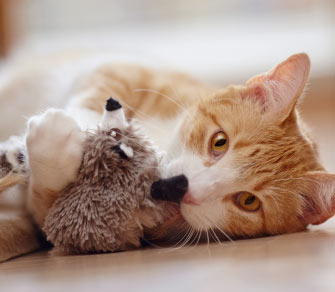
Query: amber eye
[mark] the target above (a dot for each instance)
(219, 143)
(248, 201)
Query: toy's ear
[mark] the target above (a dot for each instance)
(319, 197)
(113, 116)
(279, 89)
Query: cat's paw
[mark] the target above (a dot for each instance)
(12, 156)
(55, 147)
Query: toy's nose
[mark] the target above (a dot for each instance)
(171, 189)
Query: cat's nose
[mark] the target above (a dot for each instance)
(171, 189)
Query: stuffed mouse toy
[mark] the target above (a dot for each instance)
(109, 205)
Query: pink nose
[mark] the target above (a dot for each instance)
(188, 199)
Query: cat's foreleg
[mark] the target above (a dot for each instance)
(54, 145)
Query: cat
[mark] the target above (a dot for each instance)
(252, 168)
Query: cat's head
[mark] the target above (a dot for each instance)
(251, 167)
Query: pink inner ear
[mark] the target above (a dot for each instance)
(320, 199)
(279, 89)
(258, 93)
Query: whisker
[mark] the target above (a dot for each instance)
(224, 233)
(199, 236)
(181, 240)
(137, 112)
(194, 237)
(163, 95)
(182, 230)
(189, 237)
(185, 239)
(208, 248)
(217, 227)
(215, 236)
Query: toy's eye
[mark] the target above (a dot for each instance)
(115, 133)
(219, 143)
(117, 149)
(124, 151)
(248, 202)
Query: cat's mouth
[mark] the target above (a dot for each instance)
(176, 193)
(189, 199)
(174, 211)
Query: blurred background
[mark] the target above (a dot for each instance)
(217, 41)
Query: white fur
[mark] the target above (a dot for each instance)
(54, 145)
(127, 150)
(114, 119)
(208, 185)
(86, 119)
(12, 148)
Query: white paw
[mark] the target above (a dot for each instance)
(12, 155)
(54, 145)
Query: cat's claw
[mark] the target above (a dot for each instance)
(55, 146)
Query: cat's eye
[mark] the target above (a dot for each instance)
(248, 202)
(219, 143)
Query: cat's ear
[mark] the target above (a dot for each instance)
(279, 89)
(319, 197)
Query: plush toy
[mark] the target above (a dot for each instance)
(108, 206)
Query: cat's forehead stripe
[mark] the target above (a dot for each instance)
(256, 151)
(260, 186)
(242, 143)
(206, 113)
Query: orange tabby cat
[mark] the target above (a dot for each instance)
(252, 168)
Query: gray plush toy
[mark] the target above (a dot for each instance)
(108, 207)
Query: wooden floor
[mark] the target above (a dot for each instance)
(295, 262)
